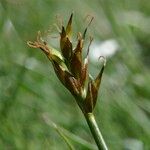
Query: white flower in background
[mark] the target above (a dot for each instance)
(133, 144)
(106, 48)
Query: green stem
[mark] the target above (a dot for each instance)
(95, 131)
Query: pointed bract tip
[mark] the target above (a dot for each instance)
(70, 20)
(69, 27)
(71, 15)
(85, 31)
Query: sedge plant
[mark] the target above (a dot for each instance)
(72, 71)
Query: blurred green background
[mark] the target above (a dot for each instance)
(29, 87)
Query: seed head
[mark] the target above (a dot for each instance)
(71, 68)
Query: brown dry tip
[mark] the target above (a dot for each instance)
(104, 60)
(32, 44)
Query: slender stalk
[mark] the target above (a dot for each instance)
(95, 131)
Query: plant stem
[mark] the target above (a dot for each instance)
(95, 131)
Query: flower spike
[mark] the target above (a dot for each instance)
(70, 68)
(72, 71)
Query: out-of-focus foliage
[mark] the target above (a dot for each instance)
(29, 88)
